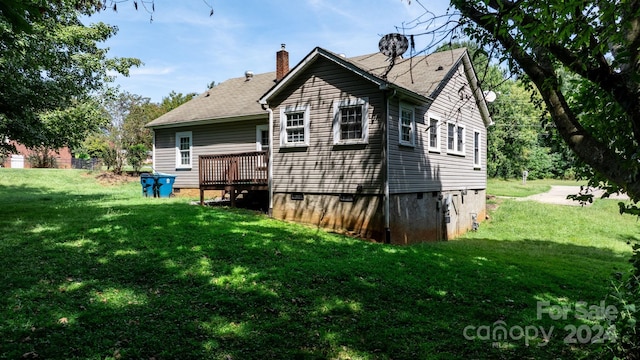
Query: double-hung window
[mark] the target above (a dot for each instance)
(294, 126)
(350, 125)
(476, 150)
(455, 139)
(434, 133)
(407, 126)
(184, 150)
(262, 138)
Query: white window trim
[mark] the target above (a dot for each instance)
(412, 141)
(283, 125)
(153, 146)
(259, 130)
(180, 135)
(437, 132)
(455, 151)
(337, 104)
(477, 164)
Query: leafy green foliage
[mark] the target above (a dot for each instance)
(173, 100)
(42, 157)
(112, 159)
(95, 145)
(513, 141)
(124, 128)
(582, 58)
(72, 125)
(516, 140)
(626, 294)
(599, 114)
(139, 111)
(136, 155)
(50, 61)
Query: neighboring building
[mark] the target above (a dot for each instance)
(394, 154)
(20, 159)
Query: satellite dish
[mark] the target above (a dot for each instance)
(489, 96)
(393, 45)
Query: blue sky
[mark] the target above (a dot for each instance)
(184, 49)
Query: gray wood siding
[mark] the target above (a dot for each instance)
(323, 167)
(223, 138)
(416, 169)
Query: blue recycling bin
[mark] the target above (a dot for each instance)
(157, 184)
(164, 184)
(147, 181)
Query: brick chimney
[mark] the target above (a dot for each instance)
(282, 63)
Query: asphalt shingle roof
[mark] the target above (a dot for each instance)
(238, 97)
(420, 74)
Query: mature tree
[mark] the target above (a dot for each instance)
(66, 127)
(118, 107)
(125, 130)
(599, 41)
(173, 100)
(512, 141)
(598, 44)
(49, 61)
(71, 126)
(21, 13)
(140, 111)
(515, 141)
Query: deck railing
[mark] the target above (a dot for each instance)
(221, 171)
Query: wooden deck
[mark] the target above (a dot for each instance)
(233, 173)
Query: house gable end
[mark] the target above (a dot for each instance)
(319, 163)
(338, 60)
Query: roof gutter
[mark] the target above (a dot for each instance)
(205, 121)
(406, 94)
(477, 91)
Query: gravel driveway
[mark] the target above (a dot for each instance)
(558, 195)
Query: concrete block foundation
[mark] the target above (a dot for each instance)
(414, 217)
(362, 217)
(434, 216)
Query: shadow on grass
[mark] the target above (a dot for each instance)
(95, 277)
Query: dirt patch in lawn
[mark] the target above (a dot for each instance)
(110, 179)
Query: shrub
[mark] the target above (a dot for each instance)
(136, 155)
(42, 157)
(624, 328)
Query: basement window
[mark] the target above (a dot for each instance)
(297, 196)
(347, 197)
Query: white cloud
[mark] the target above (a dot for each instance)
(152, 70)
(185, 49)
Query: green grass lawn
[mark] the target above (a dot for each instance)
(91, 271)
(515, 187)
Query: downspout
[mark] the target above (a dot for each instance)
(387, 191)
(270, 167)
